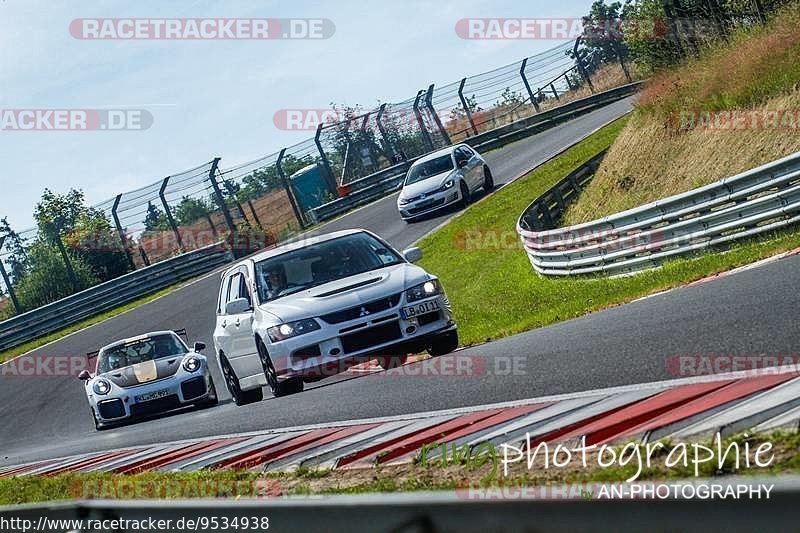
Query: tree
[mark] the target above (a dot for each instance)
(190, 210)
(47, 280)
(155, 219)
(17, 259)
(84, 230)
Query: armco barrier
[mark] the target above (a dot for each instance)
(70, 310)
(758, 200)
(381, 183)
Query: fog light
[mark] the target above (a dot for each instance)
(335, 351)
(411, 329)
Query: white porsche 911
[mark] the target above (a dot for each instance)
(146, 375)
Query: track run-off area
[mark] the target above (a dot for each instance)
(749, 312)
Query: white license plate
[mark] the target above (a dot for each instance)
(420, 309)
(150, 396)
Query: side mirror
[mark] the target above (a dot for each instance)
(400, 185)
(237, 307)
(199, 347)
(84, 375)
(412, 254)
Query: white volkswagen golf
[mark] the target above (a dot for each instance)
(443, 178)
(313, 308)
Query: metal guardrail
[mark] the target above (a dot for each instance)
(494, 509)
(386, 181)
(70, 310)
(763, 199)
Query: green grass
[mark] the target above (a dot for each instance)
(54, 336)
(398, 478)
(495, 292)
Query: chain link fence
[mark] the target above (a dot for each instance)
(258, 203)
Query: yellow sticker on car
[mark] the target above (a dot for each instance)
(146, 371)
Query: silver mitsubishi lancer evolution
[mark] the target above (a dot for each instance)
(146, 375)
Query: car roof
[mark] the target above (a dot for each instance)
(295, 245)
(137, 338)
(438, 153)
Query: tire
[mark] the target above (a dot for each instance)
(97, 425)
(443, 344)
(488, 179)
(465, 194)
(240, 397)
(278, 388)
(213, 397)
(388, 362)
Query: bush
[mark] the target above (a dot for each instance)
(48, 281)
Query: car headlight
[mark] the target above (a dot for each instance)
(404, 201)
(423, 290)
(292, 329)
(101, 387)
(191, 364)
(447, 184)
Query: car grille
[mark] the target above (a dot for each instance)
(428, 318)
(375, 306)
(156, 406)
(371, 337)
(307, 352)
(111, 409)
(425, 206)
(193, 388)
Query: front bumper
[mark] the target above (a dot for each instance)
(432, 202)
(178, 391)
(336, 347)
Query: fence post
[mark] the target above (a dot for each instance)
(579, 64)
(429, 105)
(528, 85)
(569, 83)
(618, 52)
(553, 88)
(384, 136)
(9, 287)
(218, 194)
(56, 236)
(466, 107)
(168, 213)
(325, 163)
(289, 191)
(426, 138)
(123, 239)
(370, 145)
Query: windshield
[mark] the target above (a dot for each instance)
(321, 263)
(429, 168)
(139, 351)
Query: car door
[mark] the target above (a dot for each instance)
(239, 327)
(474, 169)
(221, 339)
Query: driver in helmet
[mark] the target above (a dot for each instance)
(276, 281)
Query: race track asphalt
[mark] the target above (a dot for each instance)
(748, 313)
